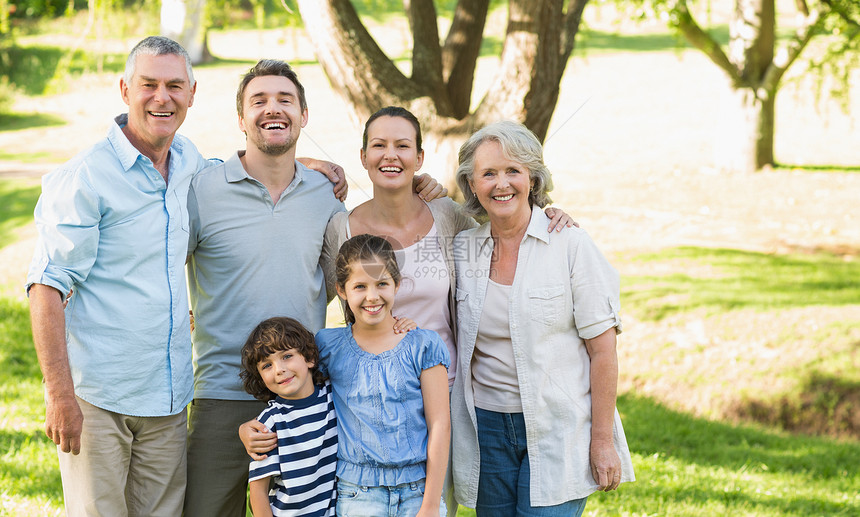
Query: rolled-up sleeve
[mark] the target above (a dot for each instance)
(595, 287)
(67, 220)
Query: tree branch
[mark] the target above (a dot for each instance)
(343, 44)
(702, 40)
(526, 86)
(789, 53)
(572, 19)
(461, 51)
(426, 52)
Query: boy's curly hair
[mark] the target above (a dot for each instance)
(270, 336)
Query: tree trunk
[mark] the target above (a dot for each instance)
(184, 22)
(745, 142)
(537, 46)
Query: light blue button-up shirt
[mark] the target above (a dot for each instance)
(112, 231)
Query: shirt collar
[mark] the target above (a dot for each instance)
(125, 151)
(538, 225)
(536, 228)
(235, 171)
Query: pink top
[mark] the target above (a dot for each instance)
(423, 294)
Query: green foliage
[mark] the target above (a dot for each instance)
(36, 70)
(840, 56)
(7, 96)
(45, 8)
(734, 279)
(835, 47)
(252, 14)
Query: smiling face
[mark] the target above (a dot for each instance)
(158, 96)
(391, 156)
(500, 184)
(272, 116)
(287, 374)
(369, 292)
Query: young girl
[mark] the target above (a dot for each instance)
(279, 362)
(390, 393)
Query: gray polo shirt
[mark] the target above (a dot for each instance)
(249, 260)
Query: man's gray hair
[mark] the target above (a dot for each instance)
(518, 144)
(157, 46)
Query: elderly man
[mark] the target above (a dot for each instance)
(113, 229)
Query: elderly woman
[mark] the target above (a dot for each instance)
(533, 407)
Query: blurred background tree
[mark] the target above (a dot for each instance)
(759, 53)
(438, 88)
(436, 80)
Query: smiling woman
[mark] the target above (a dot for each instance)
(421, 232)
(537, 319)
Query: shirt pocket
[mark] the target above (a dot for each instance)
(546, 304)
(181, 212)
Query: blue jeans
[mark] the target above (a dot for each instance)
(503, 485)
(381, 501)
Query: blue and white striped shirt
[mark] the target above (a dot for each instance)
(304, 462)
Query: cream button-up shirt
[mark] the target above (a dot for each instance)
(563, 293)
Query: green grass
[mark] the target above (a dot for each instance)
(16, 121)
(688, 466)
(788, 167)
(728, 279)
(17, 200)
(29, 476)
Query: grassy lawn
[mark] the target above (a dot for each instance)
(720, 280)
(685, 464)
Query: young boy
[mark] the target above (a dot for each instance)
(280, 361)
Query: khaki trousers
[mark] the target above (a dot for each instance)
(128, 466)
